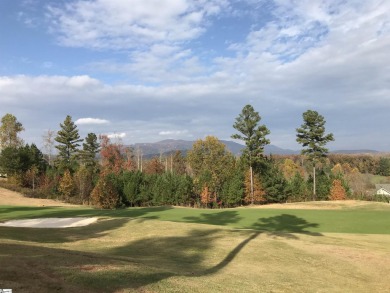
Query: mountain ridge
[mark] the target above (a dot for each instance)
(171, 145)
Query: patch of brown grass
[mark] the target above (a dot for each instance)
(12, 198)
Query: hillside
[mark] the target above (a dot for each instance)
(172, 145)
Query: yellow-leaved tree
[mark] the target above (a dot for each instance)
(66, 185)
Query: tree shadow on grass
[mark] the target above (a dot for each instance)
(217, 218)
(285, 225)
(27, 268)
(149, 260)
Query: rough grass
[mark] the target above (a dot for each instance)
(187, 250)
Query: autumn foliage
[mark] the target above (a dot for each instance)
(114, 156)
(258, 191)
(337, 191)
(205, 196)
(154, 166)
(66, 186)
(105, 194)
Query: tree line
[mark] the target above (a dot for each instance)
(104, 173)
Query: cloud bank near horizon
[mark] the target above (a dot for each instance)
(186, 70)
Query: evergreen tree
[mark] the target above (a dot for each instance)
(297, 188)
(312, 136)
(132, 183)
(233, 189)
(87, 155)
(254, 137)
(323, 184)
(384, 166)
(274, 183)
(68, 138)
(17, 160)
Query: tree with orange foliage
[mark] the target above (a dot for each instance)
(205, 196)
(112, 156)
(258, 195)
(105, 195)
(337, 191)
(154, 166)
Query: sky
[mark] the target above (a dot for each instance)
(149, 70)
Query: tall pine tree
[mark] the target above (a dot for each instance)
(253, 134)
(311, 135)
(87, 155)
(68, 138)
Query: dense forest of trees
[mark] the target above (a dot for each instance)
(104, 173)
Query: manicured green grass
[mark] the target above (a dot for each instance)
(353, 220)
(169, 249)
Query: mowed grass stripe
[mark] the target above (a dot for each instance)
(274, 220)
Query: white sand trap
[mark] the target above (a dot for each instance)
(50, 222)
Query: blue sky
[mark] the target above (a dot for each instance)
(148, 70)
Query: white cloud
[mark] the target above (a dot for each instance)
(89, 121)
(116, 135)
(172, 132)
(330, 56)
(118, 24)
(160, 63)
(81, 81)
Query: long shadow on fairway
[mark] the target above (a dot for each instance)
(284, 225)
(152, 259)
(218, 218)
(187, 255)
(29, 268)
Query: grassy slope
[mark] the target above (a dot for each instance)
(366, 219)
(133, 250)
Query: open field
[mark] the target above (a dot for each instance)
(341, 247)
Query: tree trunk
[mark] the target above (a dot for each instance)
(252, 193)
(314, 182)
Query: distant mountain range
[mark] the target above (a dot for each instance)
(171, 145)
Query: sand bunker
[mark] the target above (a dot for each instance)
(50, 222)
